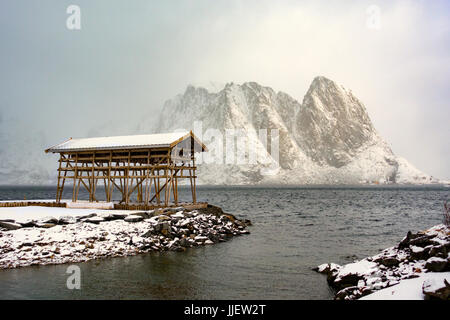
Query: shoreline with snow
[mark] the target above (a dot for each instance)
(45, 235)
(417, 268)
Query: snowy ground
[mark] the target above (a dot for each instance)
(43, 235)
(410, 289)
(418, 262)
(23, 214)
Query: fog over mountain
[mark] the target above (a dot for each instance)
(127, 60)
(327, 139)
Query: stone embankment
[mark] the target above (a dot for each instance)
(71, 239)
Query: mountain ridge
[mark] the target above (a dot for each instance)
(329, 138)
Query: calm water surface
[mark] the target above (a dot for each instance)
(294, 229)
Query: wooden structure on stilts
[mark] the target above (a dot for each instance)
(145, 169)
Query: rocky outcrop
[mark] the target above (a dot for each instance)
(87, 237)
(416, 254)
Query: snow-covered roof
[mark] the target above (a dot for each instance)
(125, 142)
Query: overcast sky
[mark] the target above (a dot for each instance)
(131, 56)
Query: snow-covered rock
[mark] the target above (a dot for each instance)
(126, 235)
(327, 139)
(420, 288)
(418, 255)
(133, 218)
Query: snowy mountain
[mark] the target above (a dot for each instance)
(327, 139)
(255, 136)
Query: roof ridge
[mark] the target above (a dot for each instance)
(125, 142)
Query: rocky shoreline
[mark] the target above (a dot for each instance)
(417, 254)
(72, 239)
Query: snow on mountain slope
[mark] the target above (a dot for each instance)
(328, 139)
(407, 173)
(332, 124)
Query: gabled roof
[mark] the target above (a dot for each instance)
(160, 140)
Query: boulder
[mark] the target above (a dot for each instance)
(95, 220)
(174, 243)
(107, 216)
(200, 238)
(49, 220)
(422, 241)
(119, 215)
(436, 290)
(162, 226)
(177, 215)
(417, 253)
(346, 293)
(133, 218)
(416, 239)
(85, 216)
(27, 223)
(142, 214)
(388, 261)
(327, 268)
(439, 251)
(348, 280)
(67, 220)
(189, 213)
(10, 225)
(45, 225)
(185, 222)
(436, 264)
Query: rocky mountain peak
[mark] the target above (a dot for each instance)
(328, 138)
(332, 124)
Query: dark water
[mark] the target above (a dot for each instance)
(294, 229)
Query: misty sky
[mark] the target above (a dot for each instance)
(131, 56)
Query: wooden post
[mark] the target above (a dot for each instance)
(109, 177)
(59, 178)
(63, 179)
(194, 199)
(92, 187)
(74, 199)
(192, 184)
(127, 170)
